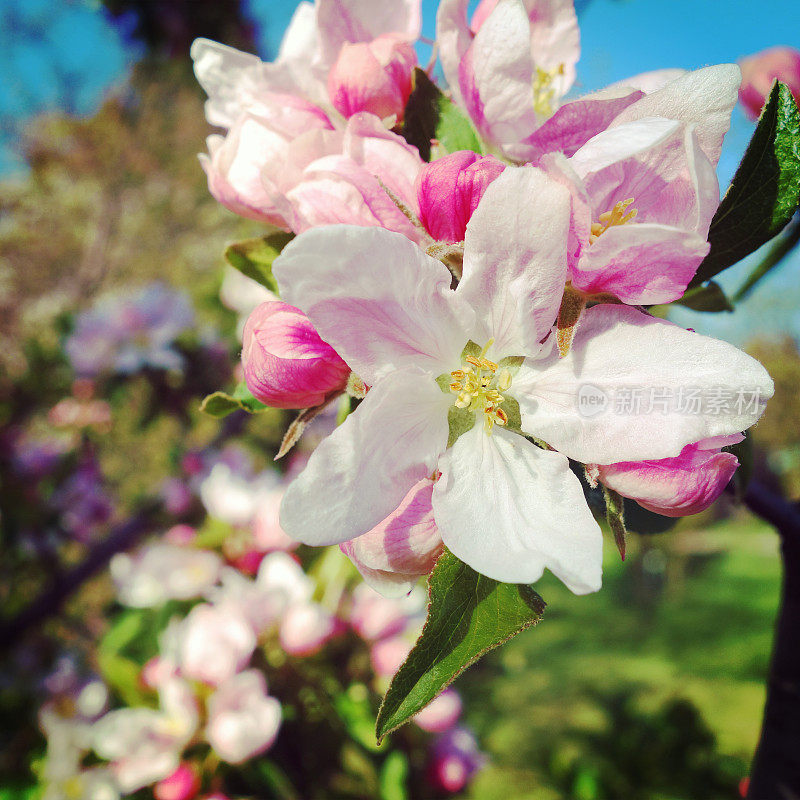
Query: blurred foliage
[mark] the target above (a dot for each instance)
(777, 433)
(654, 690)
(117, 198)
(169, 26)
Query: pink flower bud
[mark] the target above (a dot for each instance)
(760, 71)
(286, 363)
(374, 77)
(449, 190)
(401, 548)
(679, 486)
(183, 784)
(441, 714)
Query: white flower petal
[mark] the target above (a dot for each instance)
(704, 97)
(376, 298)
(515, 260)
(360, 473)
(510, 509)
(584, 405)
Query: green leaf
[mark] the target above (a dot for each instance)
(431, 116)
(765, 191)
(354, 709)
(706, 298)
(254, 257)
(394, 776)
(220, 404)
(468, 615)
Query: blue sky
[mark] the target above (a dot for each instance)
(64, 53)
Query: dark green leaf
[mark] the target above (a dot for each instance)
(468, 615)
(706, 298)
(254, 257)
(431, 116)
(765, 191)
(220, 404)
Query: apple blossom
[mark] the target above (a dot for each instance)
(286, 363)
(233, 495)
(644, 194)
(456, 375)
(376, 617)
(327, 177)
(387, 655)
(449, 190)
(511, 67)
(243, 720)
(761, 70)
(401, 548)
(373, 76)
(305, 628)
(267, 532)
(161, 572)
(441, 714)
(144, 744)
(675, 487)
(216, 642)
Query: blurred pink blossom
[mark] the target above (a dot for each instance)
(216, 642)
(183, 784)
(243, 720)
(441, 714)
(761, 70)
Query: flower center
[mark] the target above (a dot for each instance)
(543, 91)
(479, 386)
(618, 215)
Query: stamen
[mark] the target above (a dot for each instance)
(608, 219)
(543, 92)
(479, 388)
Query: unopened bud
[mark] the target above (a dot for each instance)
(183, 784)
(286, 363)
(374, 77)
(449, 190)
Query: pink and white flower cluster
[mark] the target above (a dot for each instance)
(480, 297)
(211, 687)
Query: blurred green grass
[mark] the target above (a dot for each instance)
(689, 616)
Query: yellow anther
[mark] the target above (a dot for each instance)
(619, 215)
(479, 387)
(503, 380)
(543, 91)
